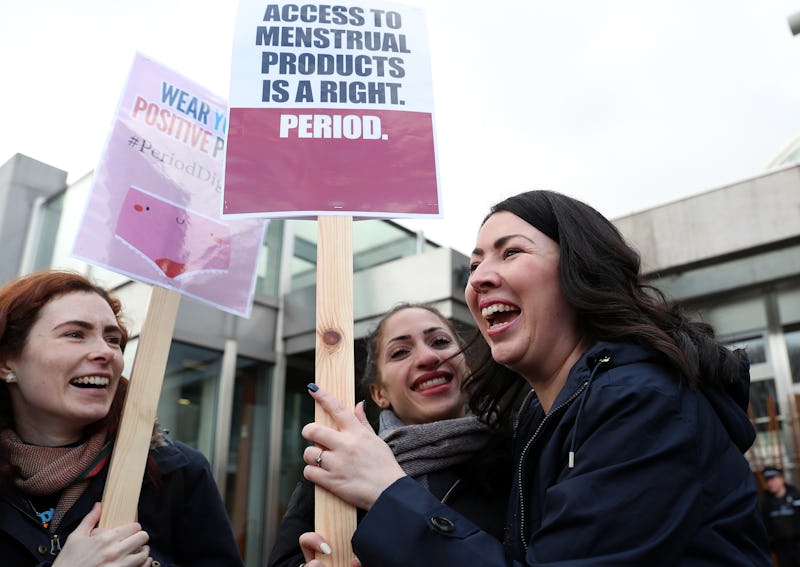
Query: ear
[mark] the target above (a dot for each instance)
(378, 396)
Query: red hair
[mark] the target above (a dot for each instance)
(21, 301)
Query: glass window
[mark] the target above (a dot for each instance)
(269, 259)
(49, 219)
(789, 306)
(188, 404)
(755, 347)
(245, 490)
(298, 411)
(793, 347)
(72, 209)
(740, 317)
(375, 242)
(760, 393)
(769, 445)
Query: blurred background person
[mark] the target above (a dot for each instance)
(781, 505)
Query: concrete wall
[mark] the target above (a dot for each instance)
(23, 180)
(758, 213)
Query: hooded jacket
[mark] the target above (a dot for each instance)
(630, 467)
(185, 518)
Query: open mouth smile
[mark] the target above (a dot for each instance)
(91, 382)
(498, 315)
(430, 381)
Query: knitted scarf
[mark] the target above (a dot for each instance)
(50, 470)
(430, 447)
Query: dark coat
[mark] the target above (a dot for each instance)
(659, 479)
(186, 520)
(477, 489)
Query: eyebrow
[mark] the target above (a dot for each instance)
(88, 326)
(427, 331)
(500, 242)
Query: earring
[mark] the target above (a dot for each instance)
(10, 377)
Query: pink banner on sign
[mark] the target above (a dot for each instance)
(317, 160)
(174, 239)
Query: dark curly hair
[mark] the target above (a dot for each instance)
(600, 276)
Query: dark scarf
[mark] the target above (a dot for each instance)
(429, 447)
(51, 470)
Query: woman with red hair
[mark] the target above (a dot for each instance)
(61, 397)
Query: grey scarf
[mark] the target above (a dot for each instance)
(429, 447)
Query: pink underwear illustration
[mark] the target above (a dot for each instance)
(173, 239)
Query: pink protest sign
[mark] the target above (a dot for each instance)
(331, 112)
(153, 211)
(174, 239)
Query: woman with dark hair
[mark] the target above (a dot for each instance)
(413, 377)
(61, 398)
(629, 447)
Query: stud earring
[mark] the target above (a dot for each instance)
(10, 377)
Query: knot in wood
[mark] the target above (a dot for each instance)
(331, 337)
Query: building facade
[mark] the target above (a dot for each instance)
(733, 255)
(235, 388)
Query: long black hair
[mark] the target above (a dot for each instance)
(600, 276)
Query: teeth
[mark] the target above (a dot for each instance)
(92, 380)
(496, 308)
(430, 383)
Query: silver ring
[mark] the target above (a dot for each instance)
(318, 460)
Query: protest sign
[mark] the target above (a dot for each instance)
(153, 215)
(331, 112)
(153, 210)
(331, 115)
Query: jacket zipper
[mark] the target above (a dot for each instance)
(447, 494)
(55, 545)
(520, 467)
(55, 542)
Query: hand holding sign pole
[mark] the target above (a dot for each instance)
(334, 364)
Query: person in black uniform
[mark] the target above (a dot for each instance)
(782, 517)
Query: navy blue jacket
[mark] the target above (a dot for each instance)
(658, 479)
(186, 520)
(477, 489)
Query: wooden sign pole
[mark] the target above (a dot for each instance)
(335, 367)
(121, 495)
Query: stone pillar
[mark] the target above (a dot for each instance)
(22, 181)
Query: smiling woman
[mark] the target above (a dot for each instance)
(629, 418)
(61, 397)
(415, 370)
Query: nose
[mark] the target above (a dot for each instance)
(483, 277)
(428, 358)
(101, 350)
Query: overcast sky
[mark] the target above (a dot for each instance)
(626, 104)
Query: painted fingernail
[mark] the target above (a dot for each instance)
(312, 387)
(325, 548)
